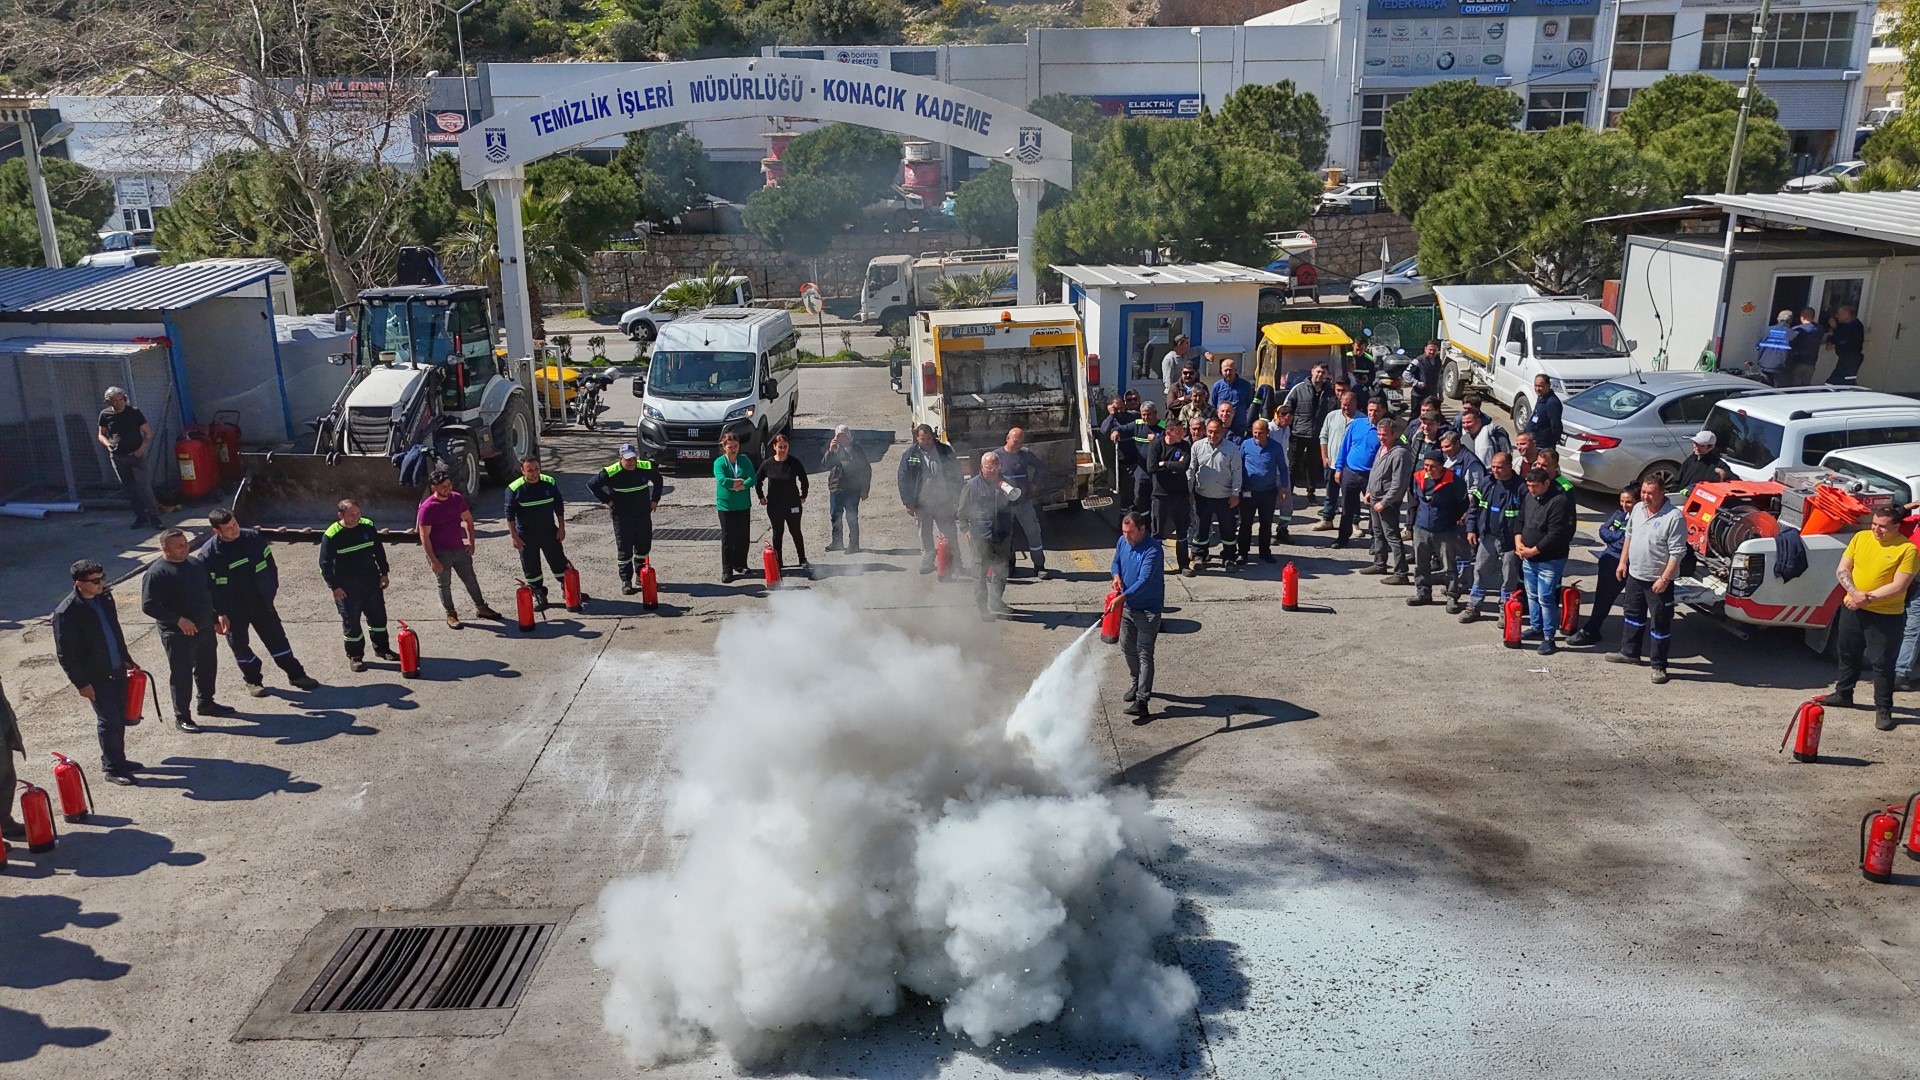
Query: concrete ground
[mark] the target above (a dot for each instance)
(1401, 849)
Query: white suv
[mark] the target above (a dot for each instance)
(1795, 426)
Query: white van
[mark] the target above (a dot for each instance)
(719, 370)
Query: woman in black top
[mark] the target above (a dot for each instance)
(783, 491)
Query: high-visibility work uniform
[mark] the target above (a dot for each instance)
(630, 493)
(536, 512)
(245, 580)
(355, 562)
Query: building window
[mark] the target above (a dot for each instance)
(1618, 99)
(1552, 108)
(1643, 43)
(1373, 137)
(1816, 40)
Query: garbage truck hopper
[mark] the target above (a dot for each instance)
(292, 496)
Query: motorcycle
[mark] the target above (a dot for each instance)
(586, 404)
(1390, 364)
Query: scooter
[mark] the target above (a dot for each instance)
(586, 404)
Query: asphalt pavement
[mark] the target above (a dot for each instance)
(1400, 849)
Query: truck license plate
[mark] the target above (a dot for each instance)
(694, 455)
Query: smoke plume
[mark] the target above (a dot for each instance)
(860, 818)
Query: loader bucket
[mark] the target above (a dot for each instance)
(292, 496)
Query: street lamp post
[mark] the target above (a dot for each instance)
(426, 99)
(19, 111)
(1199, 70)
(460, 49)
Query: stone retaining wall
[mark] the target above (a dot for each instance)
(1350, 243)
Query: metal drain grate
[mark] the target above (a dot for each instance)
(389, 968)
(711, 534)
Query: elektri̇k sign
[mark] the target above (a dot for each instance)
(654, 95)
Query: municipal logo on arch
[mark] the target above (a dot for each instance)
(1028, 148)
(496, 144)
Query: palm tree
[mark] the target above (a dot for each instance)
(712, 289)
(971, 290)
(551, 258)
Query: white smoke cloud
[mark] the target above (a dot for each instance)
(861, 819)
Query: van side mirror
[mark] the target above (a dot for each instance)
(769, 389)
(340, 320)
(1632, 345)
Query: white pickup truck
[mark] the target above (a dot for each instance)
(1744, 582)
(1498, 337)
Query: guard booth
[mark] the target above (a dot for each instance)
(1133, 314)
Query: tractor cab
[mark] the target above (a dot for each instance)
(444, 329)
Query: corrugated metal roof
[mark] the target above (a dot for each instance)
(1134, 277)
(92, 290)
(72, 348)
(1893, 216)
(22, 285)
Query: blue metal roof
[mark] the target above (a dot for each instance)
(103, 290)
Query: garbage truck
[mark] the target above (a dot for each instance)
(975, 372)
(896, 286)
(428, 388)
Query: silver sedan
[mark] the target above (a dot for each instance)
(1625, 430)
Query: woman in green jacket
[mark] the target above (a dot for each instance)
(733, 480)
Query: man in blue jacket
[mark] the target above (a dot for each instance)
(1606, 590)
(1140, 576)
(1238, 391)
(1263, 479)
(1493, 520)
(1544, 422)
(1353, 464)
(1440, 502)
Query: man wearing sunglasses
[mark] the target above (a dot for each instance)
(92, 650)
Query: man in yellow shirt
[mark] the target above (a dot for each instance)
(1875, 571)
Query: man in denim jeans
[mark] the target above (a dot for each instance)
(1140, 577)
(1546, 536)
(849, 482)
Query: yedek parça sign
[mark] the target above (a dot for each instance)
(653, 95)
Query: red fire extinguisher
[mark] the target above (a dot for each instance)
(76, 798)
(649, 585)
(409, 643)
(1512, 615)
(770, 566)
(1289, 588)
(137, 681)
(570, 588)
(942, 558)
(225, 432)
(1806, 720)
(1570, 608)
(523, 607)
(199, 469)
(1110, 617)
(36, 810)
(1879, 836)
(1913, 828)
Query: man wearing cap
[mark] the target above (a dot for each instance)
(1188, 400)
(128, 437)
(1706, 466)
(630, 489)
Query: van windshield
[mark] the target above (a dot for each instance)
(1577, 339)
(700, 374)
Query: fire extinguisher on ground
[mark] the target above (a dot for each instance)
(1289, 588)
(1570, 608)
(942, 558)
(570, 589)
(36, 812)
(649, 585)
(1879, 836)
(770, 566)
(1913, 827)
(523, 607)
(1512, 620)
(409, 643)
(1806, 721)
(76, 798)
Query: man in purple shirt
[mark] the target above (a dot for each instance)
(446, 531)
